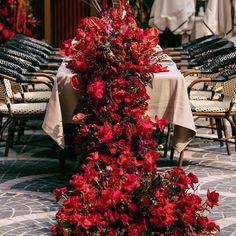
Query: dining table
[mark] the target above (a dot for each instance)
(168, 99)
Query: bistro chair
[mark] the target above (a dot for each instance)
(192, 43)
(222, 111)
(40, 64)
(206, 56)
(35, 49)
(190, 51)
(20, 93)
(203, 91)
(39, 42)
(27, 69)
(16, 113)
(214, 65)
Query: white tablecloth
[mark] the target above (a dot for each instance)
(168, 98)
(218, 18)
(61, 106)
(177, 15)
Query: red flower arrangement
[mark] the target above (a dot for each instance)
(118, 190)
(15, 16)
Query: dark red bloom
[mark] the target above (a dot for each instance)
(131, 182)
(104, 133)
(161, 123)
(212, 198)
(96, 89)
(59, 192)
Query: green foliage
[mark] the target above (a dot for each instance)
(141, 10)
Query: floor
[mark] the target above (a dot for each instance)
(31, 172)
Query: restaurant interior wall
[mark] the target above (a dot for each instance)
(58, 19)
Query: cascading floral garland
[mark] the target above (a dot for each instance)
(118, 189)
(15, 17)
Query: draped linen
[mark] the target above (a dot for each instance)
(178, 16)
(218, 18)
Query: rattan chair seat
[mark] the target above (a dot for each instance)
(38, 87)
(36, 96)
(210, 106)
(24, 109)
(201, 95)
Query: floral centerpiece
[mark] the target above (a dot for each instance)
(117, 189)
(15, 16)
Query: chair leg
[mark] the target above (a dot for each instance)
(21, 129)
(167, 144)
(172, 153)
(212, 124)
(226, 137)
(4, 125)
(62, 161)
(1, 123)
(233, 131)
(10, 136)
(219, 129)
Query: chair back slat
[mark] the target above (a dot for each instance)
(26, 48)
(21, 55)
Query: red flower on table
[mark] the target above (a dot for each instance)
(131, 182)
(118, 189)
(96, 89)
(4, 12)
(161, 123)
(104, 133)
(10, 1)
(78, 117)
(7, 33)
(1, 26)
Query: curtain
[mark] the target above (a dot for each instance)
(67, 15)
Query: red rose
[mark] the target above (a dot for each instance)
(131, 182)
(1, 26)
(132, 207)
(111, 232)
(11, 20)
(161, 123)
(134, 230)
(104, 133)
(212, 198)
(124, 218)
(145, 128)
(59, 230)
(86, 224)
(80, 34)
(7, 33)
(59, 192)
(78, 117)
(96, 89)
(151, 157)
(123, 145)
(76, 82)
(4, 12)
(193, 178)
(212, 226)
